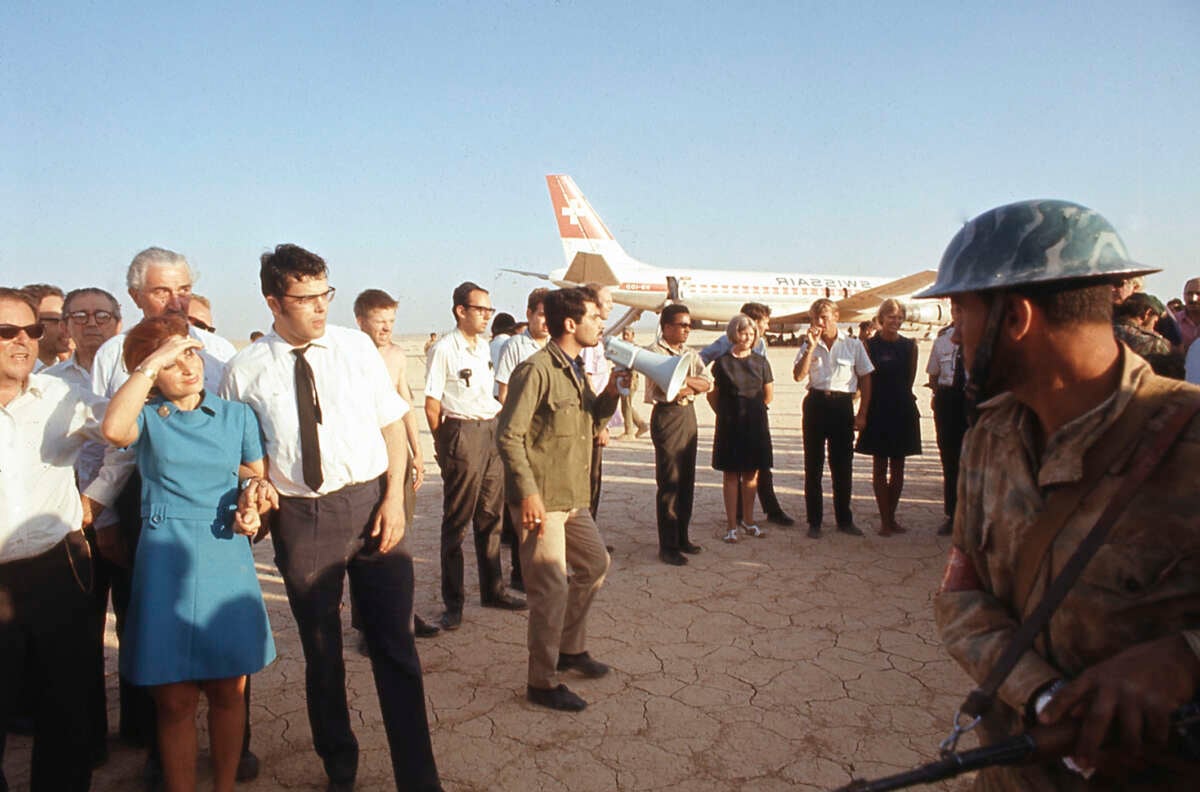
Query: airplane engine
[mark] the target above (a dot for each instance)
(930, 312)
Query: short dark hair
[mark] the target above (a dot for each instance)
(563, 304)
(75, 294)
(670, 312)
(462, 295)
(40, 291)
(372, 299)
(756, 311)
(1137, 304)
(286, 262)
(503, 323)
(1070, 302)
(536, 298)
(22, 296)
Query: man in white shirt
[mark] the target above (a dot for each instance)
(46, 607)
(518, 348)
(334, 434)
(598, 370)
(91, 316)
(461, 412)
(947, 378)
(836, 366)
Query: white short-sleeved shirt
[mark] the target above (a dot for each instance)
(1192, 364)
(839, 368)
(461, 378)
(41, 433)
(598, 367)
(942, 358)
(515, 352)
(91, 455)
(357, 397)
(108, 367)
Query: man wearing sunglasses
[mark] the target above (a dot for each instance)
(45, 566)
(199, 313)
(676, 438)
(461, 409)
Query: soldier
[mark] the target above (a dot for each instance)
(1066, 407)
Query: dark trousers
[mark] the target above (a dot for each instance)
(828, 419)
(472, 495)
(950, 422)
(318, 541)
(673, 431)
(596, 474)
(49, 642)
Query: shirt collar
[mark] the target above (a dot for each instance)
(167, 408)
(281, 347)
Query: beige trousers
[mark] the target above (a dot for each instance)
(558, 606)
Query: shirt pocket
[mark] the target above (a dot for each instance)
(565, 415)
(1132, 572)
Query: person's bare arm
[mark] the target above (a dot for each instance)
(390, 522)
(864, 389)
(502, 389)
(433, 414)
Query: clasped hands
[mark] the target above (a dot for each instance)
(257, 498)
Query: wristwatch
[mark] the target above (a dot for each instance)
(149, 372)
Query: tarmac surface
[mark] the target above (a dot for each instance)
(776, 663)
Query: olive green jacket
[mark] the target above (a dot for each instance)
(546, 428)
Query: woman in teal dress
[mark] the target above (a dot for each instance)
(196, 619)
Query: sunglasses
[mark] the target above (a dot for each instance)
(194, 322)
(10, 331)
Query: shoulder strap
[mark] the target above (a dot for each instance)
(1109, 451)
(1159, 434)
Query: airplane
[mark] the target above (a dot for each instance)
(713, 297)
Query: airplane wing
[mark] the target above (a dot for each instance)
(542, 275)
(901, 287)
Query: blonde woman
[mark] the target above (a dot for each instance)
(742, 388)
(893, 428)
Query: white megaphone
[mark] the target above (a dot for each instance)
(666, 371)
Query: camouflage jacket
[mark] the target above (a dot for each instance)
(1144, 583)
(1144, 342)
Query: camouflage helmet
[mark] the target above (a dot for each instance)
(1032, 242)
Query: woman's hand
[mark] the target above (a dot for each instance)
(169, 351)
(246, 521)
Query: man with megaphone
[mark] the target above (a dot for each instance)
(549, 418)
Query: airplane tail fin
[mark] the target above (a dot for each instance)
(579, 226)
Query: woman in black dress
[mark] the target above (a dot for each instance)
(742, 389)
(893, 429)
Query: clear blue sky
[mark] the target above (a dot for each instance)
(407, 142)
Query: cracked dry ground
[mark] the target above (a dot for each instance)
(776, 663)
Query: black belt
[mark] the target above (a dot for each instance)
(830, 394)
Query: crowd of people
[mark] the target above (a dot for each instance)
(145, 463)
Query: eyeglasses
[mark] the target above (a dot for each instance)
(10, 331)
(312, 299)
(81, 317)
(194, 322)
(483, 309)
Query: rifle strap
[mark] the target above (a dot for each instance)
(1171, 414)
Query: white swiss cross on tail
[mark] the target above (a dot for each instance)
(574, 210)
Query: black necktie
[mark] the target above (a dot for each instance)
(960, 375)
(308, 407)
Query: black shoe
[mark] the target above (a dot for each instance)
(584, 663)
(450, 621)
(507, 602)
(247, 769)
(946, 528)
(423, 629)
(672, 557)
(691, 548)
(781, 518)
(814, 531)
(516, 584)
(609, 549)
(559, 698)
(339, 786)
(851, 529)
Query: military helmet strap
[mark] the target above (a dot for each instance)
(984, 353)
